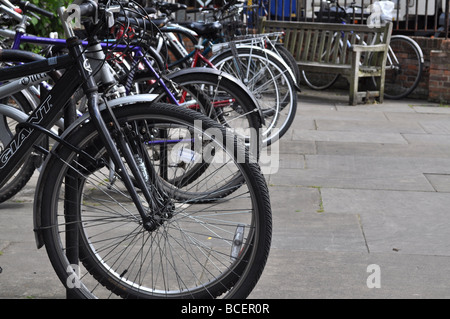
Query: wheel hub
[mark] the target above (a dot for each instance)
(159, 218)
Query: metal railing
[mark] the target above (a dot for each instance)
(413, 17)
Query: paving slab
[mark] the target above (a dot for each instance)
(376, 126)
(382, 149)
(403, 221)
(348, 137)
(361, 172)
(346, 275)
(434, 114)
(428, 139)
(26, 271)
(440, 182)
(299, 222)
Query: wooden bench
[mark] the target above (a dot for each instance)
(319, 47)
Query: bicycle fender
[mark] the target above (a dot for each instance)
(275, 56)
(42, 180)
(13, 113)
(266, 52)
(416, 45)
(173, 75)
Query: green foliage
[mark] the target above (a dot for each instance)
(46, 25)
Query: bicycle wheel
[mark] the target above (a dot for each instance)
(287, 56)
(7, 131)
(404, 67)
(223, 99)
(217, 95)
(199, 250)
(270, 82)
(320, 80)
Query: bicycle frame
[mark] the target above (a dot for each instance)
(138, 56)
(51, 109)
(43, 117)
(197, 55)
(20, 37)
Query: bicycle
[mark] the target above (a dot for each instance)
(219, 35)
(404, 64)
(106, 209)
(265, 73)
(238, 114)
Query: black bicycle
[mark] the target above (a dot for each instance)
(112, 206)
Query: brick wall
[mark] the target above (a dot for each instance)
(435, 83)
(439, 81)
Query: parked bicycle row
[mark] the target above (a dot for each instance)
(270, 109)
(149, 183)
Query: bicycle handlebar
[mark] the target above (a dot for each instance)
(10, 12)
(140, 22)
(170, 6)
(87, 9)
(199, 10)
(28, 6)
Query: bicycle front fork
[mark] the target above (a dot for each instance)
(117, 146)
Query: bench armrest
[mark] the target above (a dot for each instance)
(368, 48)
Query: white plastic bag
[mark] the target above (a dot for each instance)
(381, 11)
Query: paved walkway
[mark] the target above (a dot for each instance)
(360, 200)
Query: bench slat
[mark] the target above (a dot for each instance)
(306, 46)
(329, 46)
(337, 43)
(323, 37)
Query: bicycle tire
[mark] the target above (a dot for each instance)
(402, 77)
(319, 81)
(270, 82)
(287, 56)
(230, 248)
(18, 181)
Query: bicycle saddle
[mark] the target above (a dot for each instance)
(204, 29)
